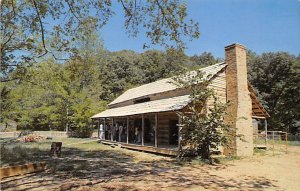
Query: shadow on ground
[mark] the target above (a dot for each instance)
(113, 169)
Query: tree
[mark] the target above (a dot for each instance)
(33, 29)
(276, 76)
(33, 99)
(203, 127)
(203, 60)
(159, 64)
(54, 96)
(120, 72)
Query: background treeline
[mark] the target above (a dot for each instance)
(53, 95)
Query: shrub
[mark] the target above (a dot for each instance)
(81, 132)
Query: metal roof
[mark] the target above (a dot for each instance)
(162, 105)
(163, 85)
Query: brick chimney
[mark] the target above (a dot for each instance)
(240, 106)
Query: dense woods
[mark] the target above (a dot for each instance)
(276, 77)
(63, 96)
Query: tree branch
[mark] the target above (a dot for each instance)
(127, 11)
(13, 7)
(72, 10)
(8, 80)
(9, 38)
(42, 28)
(166, 18)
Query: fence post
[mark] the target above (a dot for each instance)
(279, 137)
(266, 131)
(286, 141)
(273, 141)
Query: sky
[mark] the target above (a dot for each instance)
(260, 25)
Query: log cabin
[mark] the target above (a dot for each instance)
(147, 115)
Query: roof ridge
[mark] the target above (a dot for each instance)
(155, 87)
(220, 63)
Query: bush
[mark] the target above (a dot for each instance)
(81, 132)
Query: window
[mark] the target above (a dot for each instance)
(142, 100)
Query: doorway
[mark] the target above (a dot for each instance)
(173, 132)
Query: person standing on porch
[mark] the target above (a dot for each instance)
(116, 131)
(120, 132)
(139, 134)
(124, 134)
(136, 133)
(101, 130)
(105, 132)
(108, 129)
(112, 129)
(153, 134)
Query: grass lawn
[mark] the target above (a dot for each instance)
(15, 152)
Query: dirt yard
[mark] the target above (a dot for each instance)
(92, 166)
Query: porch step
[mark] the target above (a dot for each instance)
(110, 143)
(150, 149)
(155, 150)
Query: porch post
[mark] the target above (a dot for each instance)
(127, 130)
(179, 132)
(142, 129)
(104, 127)
(99, 123)
(155, 130)
(266, 131)
(112, 129)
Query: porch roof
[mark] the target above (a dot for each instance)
(162, 105)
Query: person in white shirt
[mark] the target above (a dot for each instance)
(112, 130)
(101, 129)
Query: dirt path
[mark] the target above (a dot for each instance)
(104, 171)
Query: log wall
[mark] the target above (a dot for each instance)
(163, 127)
(218, 84)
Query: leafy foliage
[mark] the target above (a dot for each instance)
(203, 60)
(276, 76)
(34, 29)
(203, 127)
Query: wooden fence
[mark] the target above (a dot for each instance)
(16, 134)
(275, 140)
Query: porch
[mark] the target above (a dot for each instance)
(153, 132)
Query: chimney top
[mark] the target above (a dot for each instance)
(235, 45)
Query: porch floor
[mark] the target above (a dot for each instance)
(169, 150)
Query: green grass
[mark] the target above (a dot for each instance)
(14, 152)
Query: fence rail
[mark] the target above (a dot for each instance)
(275, 140)
(16, 134)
